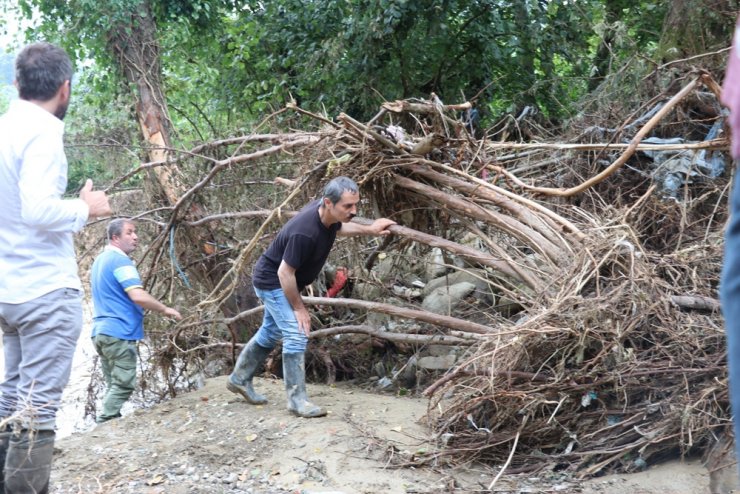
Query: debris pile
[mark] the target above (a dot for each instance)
(575, 292)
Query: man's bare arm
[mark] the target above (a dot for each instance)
(143, 299)
(377, 227)
(286, 275)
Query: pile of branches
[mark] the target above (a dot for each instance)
(618, 360)
(614, 356)
(614, 376)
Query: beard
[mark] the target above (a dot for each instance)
(61, 110)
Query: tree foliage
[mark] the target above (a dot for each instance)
(226, 64)
(352, 54)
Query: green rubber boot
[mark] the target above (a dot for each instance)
(240, 381)
(294, 373)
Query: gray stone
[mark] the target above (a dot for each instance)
(407, 376)
(508, 307)
(378, 319)
(432, 362)
(478, 277)
(435, 264)
(445, 299)
(366, 291)
(441, 350)
(391, 266)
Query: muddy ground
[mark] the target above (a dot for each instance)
(211, 441)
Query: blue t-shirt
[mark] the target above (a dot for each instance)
(114, 313)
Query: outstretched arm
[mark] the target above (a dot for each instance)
(141, 297)
(377, 227)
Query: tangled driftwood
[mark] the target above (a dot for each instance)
(607, 362)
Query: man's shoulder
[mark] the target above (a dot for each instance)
(112, 259)
(306, 222)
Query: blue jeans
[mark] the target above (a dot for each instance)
(730, 297)
(39, 340)
(278, 323)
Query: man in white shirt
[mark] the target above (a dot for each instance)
(40, 291)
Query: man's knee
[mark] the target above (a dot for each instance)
(295, 343)
(123, 376)
(267, 340)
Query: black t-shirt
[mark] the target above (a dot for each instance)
(304, 243)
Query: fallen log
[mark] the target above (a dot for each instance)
(515, 271)
(542, 224)
(475, 256)
(406, 313)
(507, 224)
(414, 339)
(695, 302)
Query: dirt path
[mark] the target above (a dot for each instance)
(211, 441)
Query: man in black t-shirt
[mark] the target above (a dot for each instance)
(292, 261)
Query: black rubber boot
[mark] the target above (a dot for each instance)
(294, 373)
(28, 462)
(240, 381)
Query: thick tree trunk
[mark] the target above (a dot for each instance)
(136, 49)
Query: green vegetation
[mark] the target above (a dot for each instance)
(226, 64)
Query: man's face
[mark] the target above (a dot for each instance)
(128, 240)
(63, 103)
(346, 207)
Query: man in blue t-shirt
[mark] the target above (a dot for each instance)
(292, 261)
(119, 300)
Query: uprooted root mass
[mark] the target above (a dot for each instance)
(600, 347)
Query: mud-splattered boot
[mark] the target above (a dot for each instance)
(28, 462)
(294, 373)
(240, 381)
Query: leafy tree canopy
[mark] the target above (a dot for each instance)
(226, 63)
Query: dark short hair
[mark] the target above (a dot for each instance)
(338, 186)
(40, 70)
(115, 227)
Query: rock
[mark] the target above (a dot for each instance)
(432, 362)
(389, 267)
(444, 300)
(378, 319)
(508, 307)
(407, 376)
(435, 264)
(406, 292)
(478, 277)
(442, 350)
(366, 291)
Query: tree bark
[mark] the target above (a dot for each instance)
(135, 47)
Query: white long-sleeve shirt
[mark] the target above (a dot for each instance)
(36, 225)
